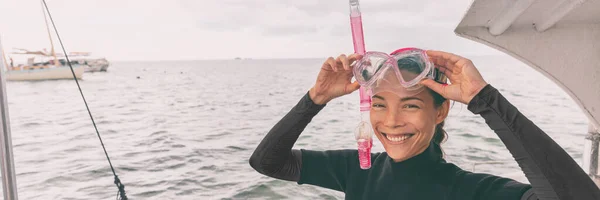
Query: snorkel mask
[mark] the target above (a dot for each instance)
(400, 71)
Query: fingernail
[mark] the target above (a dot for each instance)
(445, 84)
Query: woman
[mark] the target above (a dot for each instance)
(409, 124)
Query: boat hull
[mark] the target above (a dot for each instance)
(95, 65)
(93, 68)
(104, 68)
(45, 74)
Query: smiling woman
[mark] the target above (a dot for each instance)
(409, 106)
(406, 121)
(406, 126)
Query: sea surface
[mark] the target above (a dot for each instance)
(186, 129)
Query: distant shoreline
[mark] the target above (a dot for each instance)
(264, 59)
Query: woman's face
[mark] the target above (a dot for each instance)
(405, 122)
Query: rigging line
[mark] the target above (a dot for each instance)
(117, 180)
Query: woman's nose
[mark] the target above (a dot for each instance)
(394, 118)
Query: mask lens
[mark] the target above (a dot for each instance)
(369, 66)
(412, 67)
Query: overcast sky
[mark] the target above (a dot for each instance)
(224, 29)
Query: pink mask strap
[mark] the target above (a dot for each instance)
(404, 49)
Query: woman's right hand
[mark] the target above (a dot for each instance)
(334, 79)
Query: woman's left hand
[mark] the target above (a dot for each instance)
(465, 79)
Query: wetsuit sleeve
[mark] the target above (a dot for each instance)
(328, 169)
(553, 174)
(274, 156)
(529, 195)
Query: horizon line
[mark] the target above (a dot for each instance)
(259, 58)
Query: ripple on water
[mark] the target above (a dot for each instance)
(218, 135)
(150, 193)
(468, 135)
(208, 168)
(30, 124)
(176, 166)
(494, 141)
(260, 191)
(236, 148)
(185, 182)
(479, 157)
(153, 184)
(158, 133)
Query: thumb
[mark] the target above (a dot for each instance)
(435, 86)
(352, 87)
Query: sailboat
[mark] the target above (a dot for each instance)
(45, 69)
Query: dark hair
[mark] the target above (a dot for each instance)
(440, 134)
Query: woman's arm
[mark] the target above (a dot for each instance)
(274, 156)
(553, 174)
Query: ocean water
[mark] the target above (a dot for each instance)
(186, 129)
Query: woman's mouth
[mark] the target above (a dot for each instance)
(397, 138)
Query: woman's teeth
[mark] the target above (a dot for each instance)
(399, 138)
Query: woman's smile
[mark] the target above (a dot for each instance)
(397, 138)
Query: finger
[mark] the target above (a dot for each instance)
(326, 64)
(354, 57)
(352, 87)
(441, 69)
(450, 59)
(436, 87)
(441, 63)
(441, 54)
(444, 70)
(454, 62)
(350, 74)
(338, 64)
(438, 60)
(464, 62)
(344, 60)
(449, 74)
(449, 65)
(332, 64)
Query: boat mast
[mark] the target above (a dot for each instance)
(56, 63)
(3, 56)
(7, 164)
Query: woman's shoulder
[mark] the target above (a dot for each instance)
(464, 175)
(483, 185)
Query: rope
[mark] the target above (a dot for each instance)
(120, 185)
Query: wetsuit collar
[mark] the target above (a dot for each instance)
(419, 164)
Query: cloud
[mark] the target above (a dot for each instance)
(215, 29)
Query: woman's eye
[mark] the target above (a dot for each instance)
(378, 105)
(411, 106)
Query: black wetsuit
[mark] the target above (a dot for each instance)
(553, 174)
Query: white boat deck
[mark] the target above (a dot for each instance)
(558, 38)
